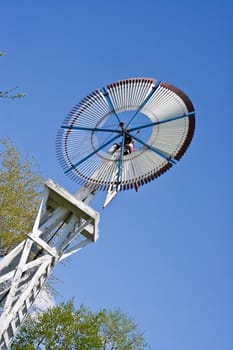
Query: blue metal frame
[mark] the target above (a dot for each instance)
(120, 162)
(162, 121)
(91, 154)
(106, 94)
(74, 127)
(156, 150)
(154, 88)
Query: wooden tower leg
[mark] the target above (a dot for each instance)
(63, 226)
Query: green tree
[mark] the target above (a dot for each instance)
(118, 332)
(64, 328)
(20, 189)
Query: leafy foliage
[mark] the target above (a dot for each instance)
(64, 328)
(20, 188)
(119, 332)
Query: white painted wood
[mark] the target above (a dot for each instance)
(75, 248)
(52, 251)
(63, 226)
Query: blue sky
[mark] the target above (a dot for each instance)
(164, 254)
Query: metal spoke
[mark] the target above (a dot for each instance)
(91, 154)
(74, 127)
(106, 94)
(120, 161)
(161, 153)
(161, 121)
(144, 102)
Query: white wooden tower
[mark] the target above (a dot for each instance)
(64, 225)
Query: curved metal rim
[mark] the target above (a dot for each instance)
(79, 177)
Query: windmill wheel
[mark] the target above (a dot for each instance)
(126, 134)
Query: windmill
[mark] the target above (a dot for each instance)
(119, 137)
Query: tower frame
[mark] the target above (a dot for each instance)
(64, 225)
